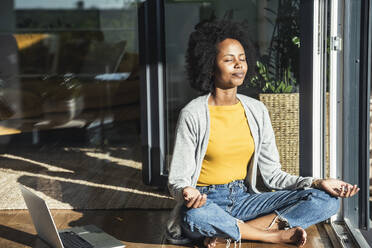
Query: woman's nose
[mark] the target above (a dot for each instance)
(238, 64)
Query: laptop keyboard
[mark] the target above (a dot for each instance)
(72, 240)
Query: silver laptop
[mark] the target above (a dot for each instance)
(77, 237)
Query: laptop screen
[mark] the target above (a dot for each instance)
(41, 218)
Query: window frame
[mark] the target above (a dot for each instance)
(354, 138)
(152, 78)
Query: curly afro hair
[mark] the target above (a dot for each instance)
(202, 51)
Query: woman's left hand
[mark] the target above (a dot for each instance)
(337, 187)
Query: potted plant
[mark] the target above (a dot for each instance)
(276, 81)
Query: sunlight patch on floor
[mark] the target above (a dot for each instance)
(87, 183)
(119, 161)
(47, 166)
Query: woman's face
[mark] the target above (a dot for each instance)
(231, 65)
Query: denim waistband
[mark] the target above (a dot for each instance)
(237, 183)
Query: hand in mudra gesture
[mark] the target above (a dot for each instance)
(193, 198)
(336, 187)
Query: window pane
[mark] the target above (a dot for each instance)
(70, 104)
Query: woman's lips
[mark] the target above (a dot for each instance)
(239, 74)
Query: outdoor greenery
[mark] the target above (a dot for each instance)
(278, 69)
(270, 84)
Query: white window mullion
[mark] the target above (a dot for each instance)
(317, 124)
(335, 91)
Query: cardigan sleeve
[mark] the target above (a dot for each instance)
(269, 162)
(183, 163)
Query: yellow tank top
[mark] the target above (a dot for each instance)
(230, 146)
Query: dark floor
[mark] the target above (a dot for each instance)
(135, 228)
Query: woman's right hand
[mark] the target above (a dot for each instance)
(193, 198)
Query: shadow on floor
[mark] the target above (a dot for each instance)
(80, 175)
(14, 235)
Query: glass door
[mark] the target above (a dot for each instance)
(276, 28)
(288, 50)
(350, 82)
(70, 102)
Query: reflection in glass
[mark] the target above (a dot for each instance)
(72, 64)
(71, 4)
(69, 105)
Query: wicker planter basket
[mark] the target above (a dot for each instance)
(284, 115)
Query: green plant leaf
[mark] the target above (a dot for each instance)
(289, 89)
(296, 41)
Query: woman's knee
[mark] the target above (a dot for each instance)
(333, 205)
(325, 202)
(195, 222)
(195, 215)
(210, 220)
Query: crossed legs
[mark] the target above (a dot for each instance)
(300, 209)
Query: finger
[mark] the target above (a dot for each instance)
(347, 191)
(342, 193)
(355, 190)
(197, 201)
(333, 192)
(338, 191)
(191, 202)
(203, 200)
(186, 196)
(189, 197)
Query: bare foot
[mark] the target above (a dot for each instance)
(296, 235)
(213, 242)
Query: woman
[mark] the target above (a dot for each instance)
(223, 139)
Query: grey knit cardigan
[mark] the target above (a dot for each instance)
(191, 141)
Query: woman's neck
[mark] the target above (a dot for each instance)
(223, 97)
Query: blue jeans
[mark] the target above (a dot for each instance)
(230, 202)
